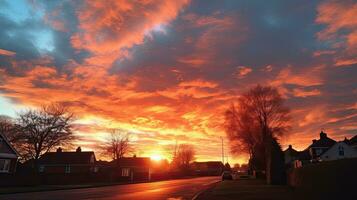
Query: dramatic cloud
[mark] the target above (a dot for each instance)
(6, 53)
(106, 28)
(341, 28)
(165, 71)
(242, 71)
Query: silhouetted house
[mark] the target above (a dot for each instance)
(312, 153)
(60, 162)
(8, 156)
(290, 155)
(133, 168)
(318, 147)
(339, 150)
(208, 168)
(352, 142)
(103, 165)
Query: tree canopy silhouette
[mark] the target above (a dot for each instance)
(117, 145)
(184, 156)
(43, 129)
(258, 117)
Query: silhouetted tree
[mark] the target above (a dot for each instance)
(9, 129)
(43, 129)
(243, 132)
(117, 145)
(259, 116)
(227, 167)
(184, 156)
(278, 171)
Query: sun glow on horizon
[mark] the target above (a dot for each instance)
(156, 157)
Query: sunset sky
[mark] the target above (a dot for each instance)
(166, 70)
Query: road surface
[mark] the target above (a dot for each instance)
(168, 190)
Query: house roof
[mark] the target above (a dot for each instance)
(291, 151)
(304, 155)
(9, 145)
(210, 164)
(53, 158)
(343, 143)
(353, 140)
(133, 162)
(324, 141)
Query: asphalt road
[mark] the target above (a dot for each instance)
(167, 190)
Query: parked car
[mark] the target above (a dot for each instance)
(227, 175)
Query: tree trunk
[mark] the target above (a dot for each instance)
(268, 160)
(267, 148)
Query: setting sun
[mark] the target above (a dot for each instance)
(156, 157)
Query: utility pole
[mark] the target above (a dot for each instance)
(175, 152)
(222, 151)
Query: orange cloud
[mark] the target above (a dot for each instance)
(308, 77)
(109, 26)
(6, 52)
(339, 16)
(343, 62)
(190, 107)
(305, 93)
(243, 71)
(215, 33)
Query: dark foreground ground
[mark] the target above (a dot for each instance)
(246, 189)
(168, 190)
(252, 189)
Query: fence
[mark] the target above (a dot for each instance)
(330, 179)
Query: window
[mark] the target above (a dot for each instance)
(341, 151)
(4, 165)
(41, 168)
(318, 151)
(67, 169)
(125, 172)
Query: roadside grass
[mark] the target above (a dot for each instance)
(247, 189)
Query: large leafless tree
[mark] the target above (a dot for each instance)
(184, 156)
(41, 130)
(255, 120)
(118, 144)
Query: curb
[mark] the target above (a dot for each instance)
(198, 194)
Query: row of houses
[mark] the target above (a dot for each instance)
(322, 149)
(70, 163)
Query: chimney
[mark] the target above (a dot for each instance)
(345, 140)
(313, 141)
(290, 146)
(323, 135)
(79, 149)
(59, 150)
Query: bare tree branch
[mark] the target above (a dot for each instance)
(44, 129)
(118, 144)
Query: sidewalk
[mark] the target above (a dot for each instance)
(246, 189)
